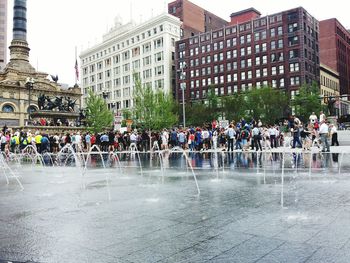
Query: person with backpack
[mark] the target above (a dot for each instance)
(244, 138)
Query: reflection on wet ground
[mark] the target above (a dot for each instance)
(253, 207)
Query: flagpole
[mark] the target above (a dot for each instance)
(76, 66)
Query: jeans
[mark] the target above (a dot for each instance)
(325, 142)
(230, 144)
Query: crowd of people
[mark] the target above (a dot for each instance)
(242, 135)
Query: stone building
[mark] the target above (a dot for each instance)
(20, 83)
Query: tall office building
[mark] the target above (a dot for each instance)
(335, 50)
(279, 50)
(194, 18)
(3, 34)
(147, 50)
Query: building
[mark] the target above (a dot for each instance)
(330, 89)
(147, 50)
(335, 50)
(20, 84)
(329, 81)
(194, 19)
(3, 34)
(279, 50)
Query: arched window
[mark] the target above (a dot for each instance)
(7, 108)
(31, 109)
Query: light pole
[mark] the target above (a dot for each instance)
(183, 87)
(29, 85)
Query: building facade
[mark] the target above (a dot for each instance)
(17, 97)
(147, 50)
(329, 81)
(335, 50)
(279, 50)
(3, 34)
(194, 19)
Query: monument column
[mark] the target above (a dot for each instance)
(19, 50)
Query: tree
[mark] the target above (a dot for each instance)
(152, 110)
(267, 104)
(306, 101)
(98, 117)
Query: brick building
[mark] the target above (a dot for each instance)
(279, 50)
(335, 50)
(194, 18)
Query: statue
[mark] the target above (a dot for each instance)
(41, 101)
(70, 104)
(330, 105)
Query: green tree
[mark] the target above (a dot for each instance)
(267, 104)
(98, 117)
(152, 110)
(306, 101)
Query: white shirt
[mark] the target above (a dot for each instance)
(322, 117)
(333, 129)
(313, 118)
(323, 128)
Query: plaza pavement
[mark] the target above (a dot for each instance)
(241, 215)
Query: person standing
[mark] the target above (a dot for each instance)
(322, 117)
(324, 136)
(334, 134)
(231, 133)
(256, 138)
(313, 118)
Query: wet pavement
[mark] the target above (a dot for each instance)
(252, 207)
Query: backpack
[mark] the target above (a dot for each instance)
(244, 134)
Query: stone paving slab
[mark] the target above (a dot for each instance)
(240, 216)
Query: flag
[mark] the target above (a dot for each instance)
(76, 70)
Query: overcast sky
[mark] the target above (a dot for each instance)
(56, 27)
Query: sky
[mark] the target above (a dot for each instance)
(57, 28)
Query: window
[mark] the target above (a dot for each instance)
(228, 54)
(242, 51)
(264, 59)
(292, 27)
(257, 48)
(257, 61)
(235, 77)
(281, 83)
(234, 41)
(293, 53)
(264, 47)
(273, 71)
(272, 32)
(249, 73)
(243, 75)
(249, 62)
(221, 79)
(281, 69)
(264, 72)
(8, 108)
(228, 42)
(228, 66)
(249, 50)
(274, 83)
(294, 67)
(249, 38)
(273, 45)
(280, 43)
(294, 81)
(293, 40)
(263, 34)
(257, 36)
(280, 31)
(234, 53)
(229, 78)
(242, 40)
(242, 63)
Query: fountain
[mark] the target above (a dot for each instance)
(179, 149)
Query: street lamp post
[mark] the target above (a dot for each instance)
(183, 87)
(29, 85)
